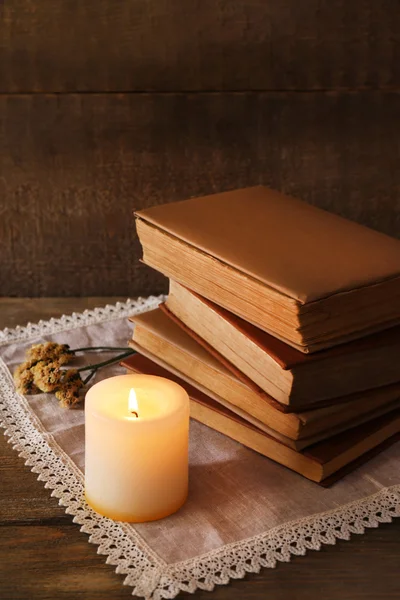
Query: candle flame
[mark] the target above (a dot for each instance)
(133, 403)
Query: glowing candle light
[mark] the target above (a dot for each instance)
(136, 451)
(132, 403)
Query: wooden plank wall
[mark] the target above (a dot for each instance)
(106, 107)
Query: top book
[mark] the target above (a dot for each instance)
(308, 277)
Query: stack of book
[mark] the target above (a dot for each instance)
(282, 322)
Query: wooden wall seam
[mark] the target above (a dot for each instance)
(109, 106)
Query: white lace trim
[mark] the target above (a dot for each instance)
(150, 576)
(88, 317)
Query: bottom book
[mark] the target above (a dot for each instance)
(324, 462)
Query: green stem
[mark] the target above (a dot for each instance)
(89, 377)
(107, 362)
(95, 348)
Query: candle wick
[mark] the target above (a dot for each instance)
(135, 413)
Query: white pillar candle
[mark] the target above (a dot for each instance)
(136, 456)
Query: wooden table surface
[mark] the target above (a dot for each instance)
(44, 556)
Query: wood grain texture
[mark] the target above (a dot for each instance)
(73, 168)
(171, 45)
(44, 556)
(48, 561)
(27, 502)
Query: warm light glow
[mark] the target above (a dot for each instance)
(133, 403)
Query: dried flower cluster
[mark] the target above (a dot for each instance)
(42, 372)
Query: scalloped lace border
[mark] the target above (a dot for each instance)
(150, 576)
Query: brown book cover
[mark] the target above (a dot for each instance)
(308, 276)
(159, 338)
(316, 462)
(237, 372)
(311, 428)
(266, 364)
(288, 245)
(285, 355)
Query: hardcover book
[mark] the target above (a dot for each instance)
(263, 362)
(304, 275)
(166, 344)
(323, 463)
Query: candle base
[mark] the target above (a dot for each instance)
(115, 516)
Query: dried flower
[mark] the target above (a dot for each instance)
(47, 375)
(68, 397)
(68, 392)
(72, 377)
(49, 352)
(23, 378)
(63, 359)
(42, 371)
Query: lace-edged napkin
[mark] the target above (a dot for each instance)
(215, 536)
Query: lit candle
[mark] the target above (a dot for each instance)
(136, 447)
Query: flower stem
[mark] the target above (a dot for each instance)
(107, 362)
(89, 377)
(95, 348)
